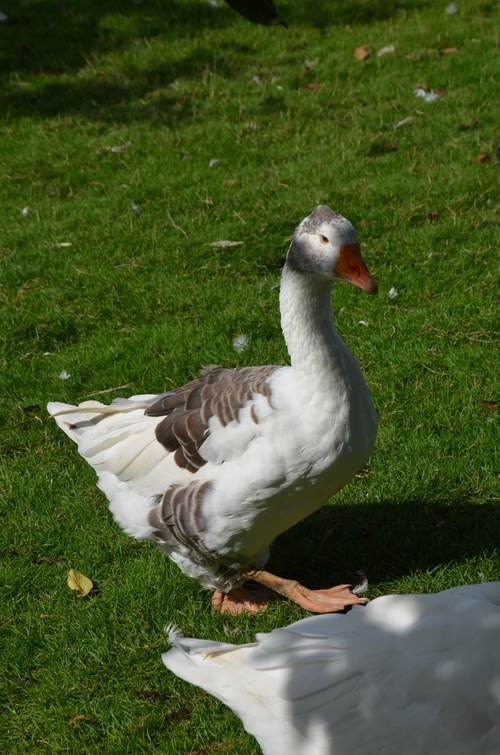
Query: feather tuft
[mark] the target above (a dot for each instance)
(362, 586)
(173, 632)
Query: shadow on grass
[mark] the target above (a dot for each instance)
(57, 39)
(387, 541)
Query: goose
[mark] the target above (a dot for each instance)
(404, 675)
(215, 470)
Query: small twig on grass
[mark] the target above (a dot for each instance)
(56, 747)
(108, 390)
(176, 226)
(434, 371)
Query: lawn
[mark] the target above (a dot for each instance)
(111, 117)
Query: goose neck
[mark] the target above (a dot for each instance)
(307, 322)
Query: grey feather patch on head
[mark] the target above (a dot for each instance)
(321, 214)
(296, 259)
(299, 257)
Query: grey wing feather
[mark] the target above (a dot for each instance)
(187, 411)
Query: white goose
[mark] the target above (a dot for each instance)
(405, 675)
(215, 470)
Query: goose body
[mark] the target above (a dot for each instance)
(405, 675)
(215, 470)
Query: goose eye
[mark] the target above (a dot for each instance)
(324, 240)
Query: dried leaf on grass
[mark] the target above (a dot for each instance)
(174, 716)
(311, 85)
(224, 243)
(363, 52)
(382, 149)
(469, 124)
(76, 720)
(449, 50)
(482, 158)
(78, 581)
(490, 406)
(219, 745)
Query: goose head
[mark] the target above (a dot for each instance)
(326, 245)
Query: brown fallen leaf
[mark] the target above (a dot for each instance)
(363, 52)
(76, 720)
(382, 149)
(469, 124)
(449, 50)
(77, 581)
(311, 85)
(174, 716)
(219, 745)
(490, 406)
(482, 158)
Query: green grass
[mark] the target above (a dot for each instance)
(140, 299)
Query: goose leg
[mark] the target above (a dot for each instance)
(250, 597)
(319, 601)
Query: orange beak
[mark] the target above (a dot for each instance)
(352, 268)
